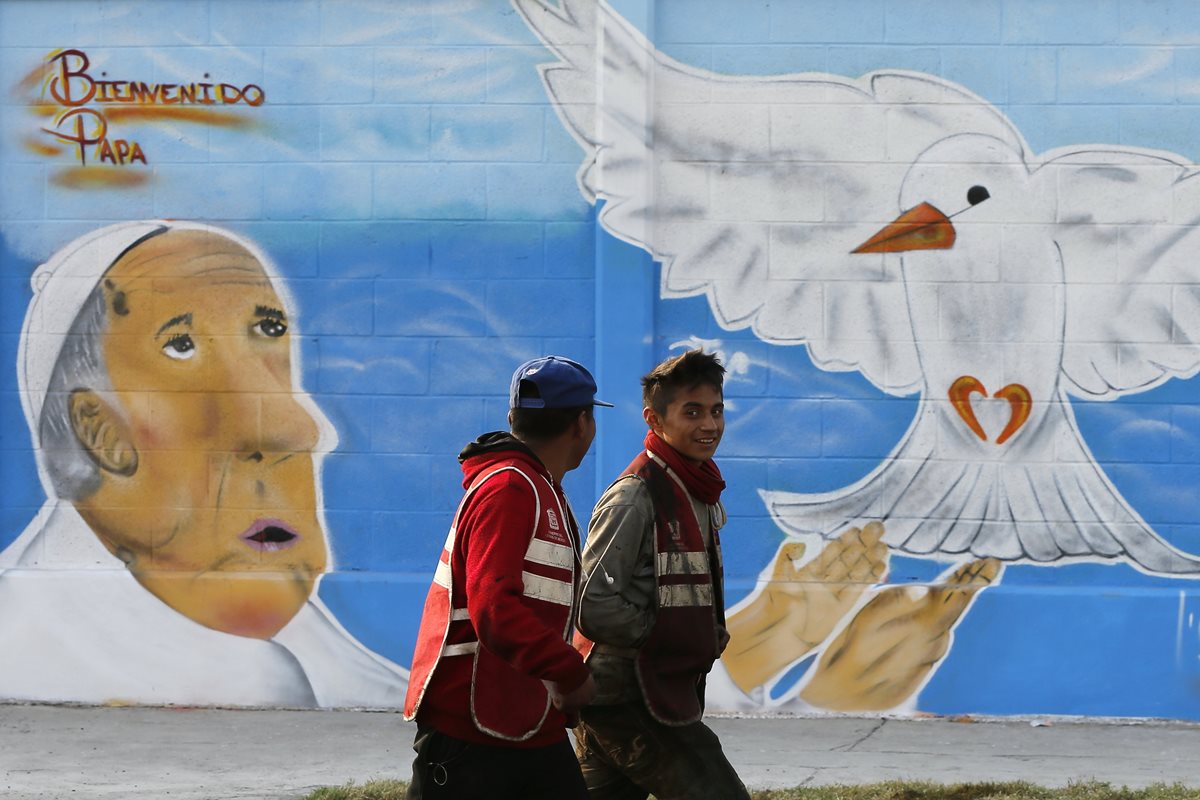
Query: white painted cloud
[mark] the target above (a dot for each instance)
(1154, 63)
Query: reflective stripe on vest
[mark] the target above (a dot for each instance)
(685, 595)
(550, 554)
(441, 575)
(678, 595)
(466, 648)
(682, 563)
(540, 587)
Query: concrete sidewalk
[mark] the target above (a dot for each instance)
(203, 754)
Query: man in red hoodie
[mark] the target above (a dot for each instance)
(495, 680)
(652, 615)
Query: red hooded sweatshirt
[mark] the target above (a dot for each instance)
(494, 531)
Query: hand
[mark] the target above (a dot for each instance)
(885, 653)
(799, 608)
(570, 702)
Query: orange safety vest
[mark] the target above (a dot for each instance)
(674, 660)
(504, 703)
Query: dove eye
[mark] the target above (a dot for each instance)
(977, 194)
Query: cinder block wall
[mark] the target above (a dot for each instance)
(425, 198)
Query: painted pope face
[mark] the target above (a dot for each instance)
(209, 488)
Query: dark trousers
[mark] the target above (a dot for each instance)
(626, 754)
(450, 769)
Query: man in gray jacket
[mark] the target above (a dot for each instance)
(652, 616)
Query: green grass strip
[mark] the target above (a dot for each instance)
(371, 790)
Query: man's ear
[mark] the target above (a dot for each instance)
(578, 427)
(652, 419)
(103, 433)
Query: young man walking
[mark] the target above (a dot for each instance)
(495, 681)
(652, 616)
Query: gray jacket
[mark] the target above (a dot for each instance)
(619, 602)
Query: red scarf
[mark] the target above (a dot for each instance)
(703, 481)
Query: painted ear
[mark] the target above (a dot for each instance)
(103, 433)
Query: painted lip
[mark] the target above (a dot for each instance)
(270, 535)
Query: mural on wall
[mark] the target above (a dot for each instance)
(899, 226)
(176, 558)
(963, 436)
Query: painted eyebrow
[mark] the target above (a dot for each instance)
(186, 319)
(267, 311)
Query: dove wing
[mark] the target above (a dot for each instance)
(753, 191)
(1128, 230)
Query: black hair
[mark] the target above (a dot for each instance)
(685, 371)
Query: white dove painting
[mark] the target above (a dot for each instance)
(898, 225)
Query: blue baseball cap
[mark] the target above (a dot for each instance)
(561, 383)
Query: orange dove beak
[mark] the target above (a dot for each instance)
(919, 228)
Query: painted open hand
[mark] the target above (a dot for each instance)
(799, 608)
(886, 652)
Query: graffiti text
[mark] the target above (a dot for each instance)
(70, 83)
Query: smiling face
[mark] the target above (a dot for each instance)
(693, 423)
(208, 490)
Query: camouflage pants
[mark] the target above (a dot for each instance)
(626, 754)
